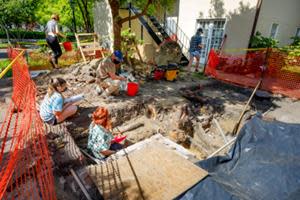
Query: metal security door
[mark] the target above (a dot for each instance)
(213, 33)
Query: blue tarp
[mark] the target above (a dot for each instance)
(264, 163)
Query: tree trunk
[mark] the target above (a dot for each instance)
(117, 26)
(85, 14)
(118, 21)
(117, 36)
(7, 34)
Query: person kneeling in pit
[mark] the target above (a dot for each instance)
(101, 141)
(108, 82)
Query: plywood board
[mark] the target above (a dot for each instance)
(152, 172)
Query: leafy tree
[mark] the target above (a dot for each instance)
(16, 13)
(85, 7)
(146, 6)
(62, 7)
(217, 9)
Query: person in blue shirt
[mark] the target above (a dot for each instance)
(195, 49)
(53, 110)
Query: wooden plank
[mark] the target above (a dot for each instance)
(78, 45)
(91, 49)
(89, 44)
(152, 172)
(86, 34)
(82, 187)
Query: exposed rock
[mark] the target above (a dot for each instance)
(177, 136)
(187, 126)
(76, 71)
(90, 80)
(169, 52)
(94, 63)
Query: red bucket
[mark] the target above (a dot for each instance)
(158, 74)
(132, 88)
(67, 46)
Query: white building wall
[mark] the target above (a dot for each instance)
(285, 13)
(239, 24)
(103, 22)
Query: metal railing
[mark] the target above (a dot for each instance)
(172, 29)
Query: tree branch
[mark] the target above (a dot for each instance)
(121, 21)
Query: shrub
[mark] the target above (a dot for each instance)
(259, 41)
(23, 34)
(296, 41)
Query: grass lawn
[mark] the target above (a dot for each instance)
(3, 45)
(3, 64)
(199, 75)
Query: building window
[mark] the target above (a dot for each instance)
(274, 30)
(298, 32)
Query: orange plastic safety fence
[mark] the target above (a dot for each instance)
(25, 163)
(280, 72)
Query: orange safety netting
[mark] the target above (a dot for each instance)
(280, 73)
(25, 163)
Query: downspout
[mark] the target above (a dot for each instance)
(258, 8)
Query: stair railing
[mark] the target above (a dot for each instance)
(171, 27)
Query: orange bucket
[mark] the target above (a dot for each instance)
(132, 88)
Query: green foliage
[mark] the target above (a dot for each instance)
(62, 7)
(3, 64)
(17, 12)
(259, 41)
(292, 50)
(296, 40)
(157, 5)
(129, 41)
(3, 45)
(25, 34)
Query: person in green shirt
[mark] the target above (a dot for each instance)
(100, 140)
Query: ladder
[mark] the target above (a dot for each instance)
(89, 46)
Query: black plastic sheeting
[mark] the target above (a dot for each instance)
(264, 163)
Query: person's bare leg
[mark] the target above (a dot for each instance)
(189, 67)
(68, 111)
(197, 64)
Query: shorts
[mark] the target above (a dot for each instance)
(195, 54)
(52, 122)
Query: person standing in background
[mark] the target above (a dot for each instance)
(52, 34)
(195, 49)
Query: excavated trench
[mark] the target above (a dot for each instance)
(189, 116)
(187, 111)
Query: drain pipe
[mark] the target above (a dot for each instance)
(258, 8)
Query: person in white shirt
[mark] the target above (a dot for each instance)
(52, 33)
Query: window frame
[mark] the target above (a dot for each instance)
(276, 33)
(297, 32)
